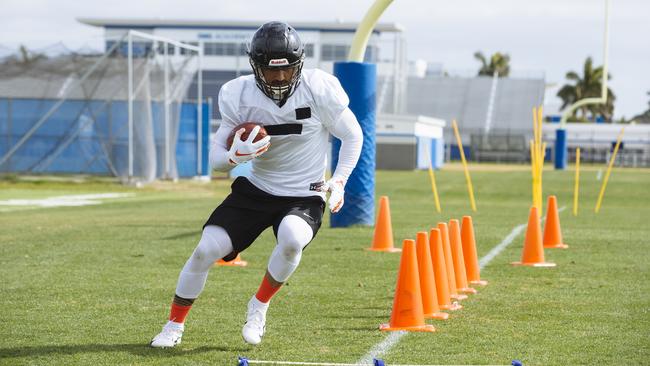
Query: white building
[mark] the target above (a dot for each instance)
(224, 47)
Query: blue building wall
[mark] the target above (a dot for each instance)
(69, 141)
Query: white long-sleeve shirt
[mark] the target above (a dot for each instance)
(296, 161)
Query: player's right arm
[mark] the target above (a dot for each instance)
(222, 158)
(218, 153)
(228, 107)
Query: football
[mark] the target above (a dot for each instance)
(249, 127)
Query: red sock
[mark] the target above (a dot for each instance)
(179, 312)
(266, 291)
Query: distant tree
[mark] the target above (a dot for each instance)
(499, 62)
(587, 85)
(645, 116)
(28, 57)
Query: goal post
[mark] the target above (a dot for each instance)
(359, 80)
(161, 47)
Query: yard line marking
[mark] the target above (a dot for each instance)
(299, 363)
(505, 242)
(381, 348)
(252, 362)
(67, 201)
(501, 246)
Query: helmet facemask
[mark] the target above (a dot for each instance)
(278, 91)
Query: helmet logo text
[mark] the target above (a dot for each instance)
(279, 62)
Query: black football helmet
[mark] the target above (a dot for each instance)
(276, 45)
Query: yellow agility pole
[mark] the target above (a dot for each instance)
(540, 161)
(609, 170)
(540, 173)
(533, 172)
(434, 189)
(535, 130)
(462, 158)
(537, 152)
(577, 184)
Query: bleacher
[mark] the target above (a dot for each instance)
(499, 147)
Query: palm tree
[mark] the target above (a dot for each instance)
(645, 116)
(25, 58)
(499, 62)
(28, 57)
(585, 86)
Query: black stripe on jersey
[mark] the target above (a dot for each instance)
(303, 113)
(284, 129)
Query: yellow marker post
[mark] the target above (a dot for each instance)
(537, 155)
(434, 189)
(577, 184)
(535, 129)
(542, 156)
(462, 158)
(609, 170)
(533, 171)
(540, 173)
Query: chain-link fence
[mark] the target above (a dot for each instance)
(97, 113)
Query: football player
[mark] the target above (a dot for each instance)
(286, 189)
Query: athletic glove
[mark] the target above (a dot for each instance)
(336, 187)
(243, 151)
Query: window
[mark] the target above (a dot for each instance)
(371, 54)
(340, 52)
(243, 49)
(309, 50)
(170, 49)
(229, 49)
(185, 51)
(220, 49)
(334, 52)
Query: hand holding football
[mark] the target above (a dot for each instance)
(248, 126)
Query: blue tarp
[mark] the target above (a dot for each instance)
(80, 134)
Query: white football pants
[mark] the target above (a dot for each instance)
(293, 235)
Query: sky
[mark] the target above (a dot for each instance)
(552, 36)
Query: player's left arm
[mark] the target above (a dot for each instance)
(346, 128)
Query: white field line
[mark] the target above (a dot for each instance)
(59, 201)
(394, 337)
(382, 347)
(505, 242)
(260, 362)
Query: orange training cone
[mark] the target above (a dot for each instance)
(237, 262)
(469, 252)
(407, 312)
(430, 305)
(552, 231)
(383, 238)
(457, 257)
(440, 272)
(449, 263)
(533, 253)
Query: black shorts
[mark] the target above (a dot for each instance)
(248, 211)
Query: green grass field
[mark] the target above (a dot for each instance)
(91, 285)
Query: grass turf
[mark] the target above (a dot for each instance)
(92, 285)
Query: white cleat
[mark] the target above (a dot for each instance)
(169, 337)
(253, 330)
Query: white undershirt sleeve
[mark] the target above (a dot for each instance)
(347, 129)
(218, 151)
